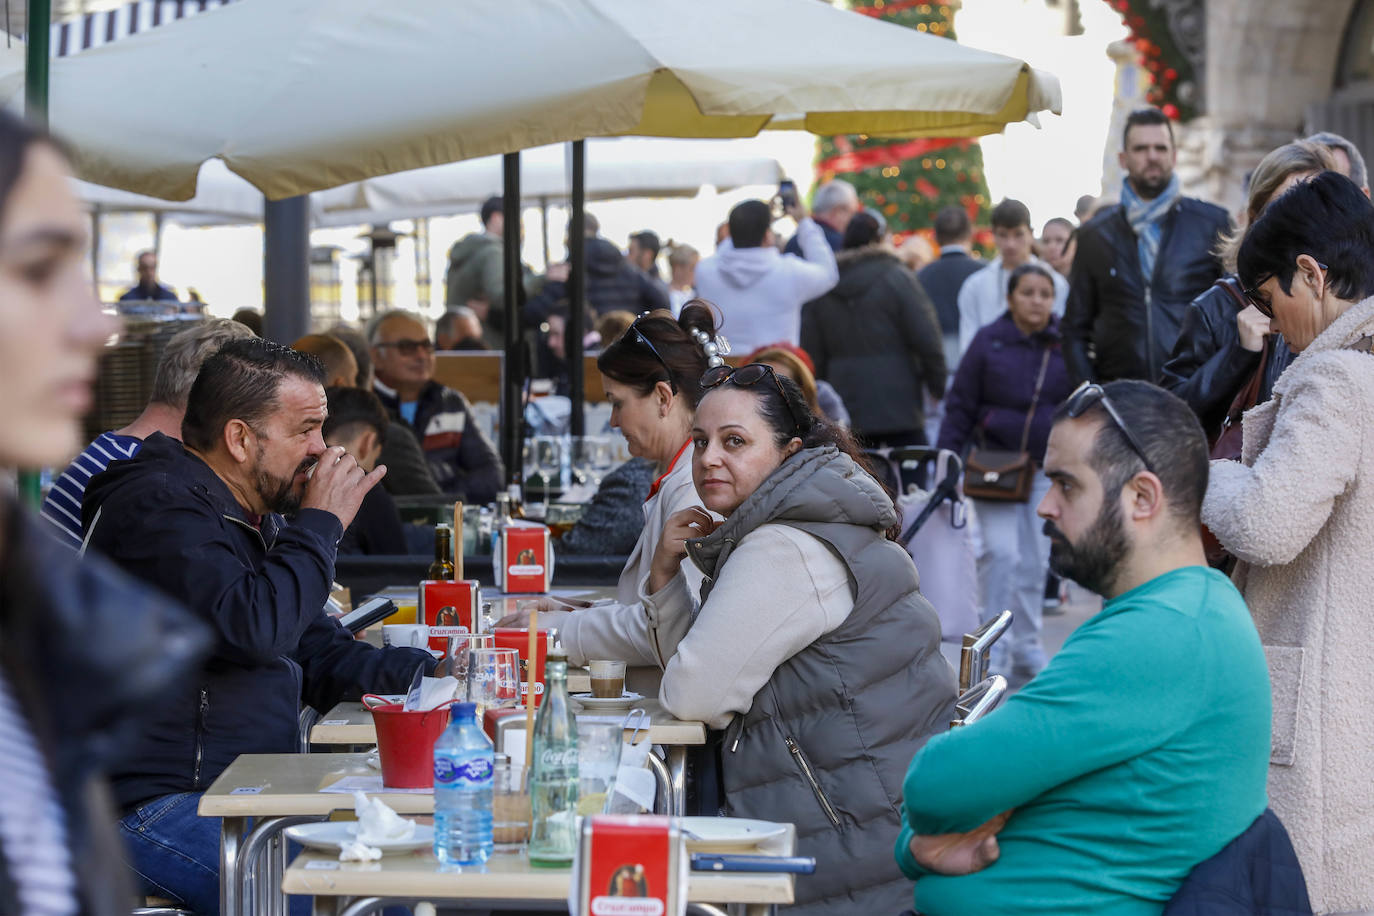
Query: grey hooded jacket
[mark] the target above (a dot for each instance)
(826, 742)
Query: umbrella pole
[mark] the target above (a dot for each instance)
(577, 287)
(544, 227)
(36, 108)
(286, 268)
(513, 368)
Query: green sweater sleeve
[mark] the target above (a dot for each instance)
(1118, 688)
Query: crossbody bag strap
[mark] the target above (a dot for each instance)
(1035, 399)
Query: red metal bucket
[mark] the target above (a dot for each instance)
(405, 743)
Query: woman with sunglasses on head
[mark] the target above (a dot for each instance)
(652, 377)
(83, 650)
(1223, 336)
(1298, 512)
(1003, 398)
(814, 659)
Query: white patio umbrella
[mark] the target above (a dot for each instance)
(300, 95)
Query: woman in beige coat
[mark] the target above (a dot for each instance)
(1298, 512)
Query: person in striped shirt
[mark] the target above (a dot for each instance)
(176, 370)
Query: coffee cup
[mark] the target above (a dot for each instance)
(415, 635)
(608, 678)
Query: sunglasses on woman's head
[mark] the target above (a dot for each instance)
(747, 376)
(1090, 393)
(639, 337)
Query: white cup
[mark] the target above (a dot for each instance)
(405, 634)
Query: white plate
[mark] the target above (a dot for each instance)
(729, 832)
(624, 701)
(331, 835)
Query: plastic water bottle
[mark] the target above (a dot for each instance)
(463, 763)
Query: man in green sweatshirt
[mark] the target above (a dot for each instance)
(1143, 748)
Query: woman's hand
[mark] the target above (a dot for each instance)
(681, 526)
(1252, 327)
(550, 609)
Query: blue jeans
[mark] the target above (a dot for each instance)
(175, 853)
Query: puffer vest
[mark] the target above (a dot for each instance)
(827, 740)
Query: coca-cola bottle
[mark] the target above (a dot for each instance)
(553, 778)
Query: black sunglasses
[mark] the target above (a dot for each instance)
(635, 334)
(409, 347)
(746, 376)
(1258, 300)
(1090, 393)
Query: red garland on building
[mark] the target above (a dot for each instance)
(1174, 83)
(910, 180)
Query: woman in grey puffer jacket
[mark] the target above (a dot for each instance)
(814, 652)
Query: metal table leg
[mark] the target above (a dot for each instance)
(231, 831)
(677, 773)
(254, 887)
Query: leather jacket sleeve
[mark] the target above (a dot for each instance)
(1208, 365)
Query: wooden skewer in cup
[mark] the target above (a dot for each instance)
(458, 547)
(529, 685)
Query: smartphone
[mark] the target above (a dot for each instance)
(787, 194)
(797, 865)
(367, 613)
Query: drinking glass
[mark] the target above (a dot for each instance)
(493, 679)
(510, 806)
(581, 461)
(548, 459)
(598, 758)
(459, 648)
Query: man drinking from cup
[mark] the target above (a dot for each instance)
(203, 523)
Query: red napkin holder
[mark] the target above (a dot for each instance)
(461, 595)
(525, 564)
(629, 865)
(518, 638)
(493, 716)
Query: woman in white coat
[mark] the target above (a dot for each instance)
(1298, 512)
(652, 376)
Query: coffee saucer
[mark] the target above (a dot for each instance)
(624, 701)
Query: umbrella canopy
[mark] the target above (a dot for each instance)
(300, 95)
(617, 168)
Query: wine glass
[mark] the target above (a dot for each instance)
(548, 460)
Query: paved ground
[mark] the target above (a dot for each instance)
(1057, 627)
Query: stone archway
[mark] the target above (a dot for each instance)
(1267, 61)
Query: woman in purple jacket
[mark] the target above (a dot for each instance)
(1003, 397)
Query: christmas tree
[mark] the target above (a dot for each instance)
(909, 181)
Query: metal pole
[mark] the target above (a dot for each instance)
(544, 228)
(36, 62)
(286, 268)
(36, 108)
(513, 375)
(577, 288)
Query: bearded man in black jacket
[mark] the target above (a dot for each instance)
(203, 522)
(1139, 263)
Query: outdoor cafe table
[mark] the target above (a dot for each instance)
(350, 723)
(503, 879)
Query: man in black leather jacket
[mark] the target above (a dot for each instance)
(1118, 323)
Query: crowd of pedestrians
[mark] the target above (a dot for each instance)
(1111, 387)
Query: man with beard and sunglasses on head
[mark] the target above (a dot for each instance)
(1142, 748)
(203, 522)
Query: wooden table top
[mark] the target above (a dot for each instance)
(351, 723)
(509, 876)
(263, 785)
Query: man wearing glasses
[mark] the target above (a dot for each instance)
(1142, 748)
(462, 459)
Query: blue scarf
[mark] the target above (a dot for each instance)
(1145, 217)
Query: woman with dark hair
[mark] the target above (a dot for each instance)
(813, 651)
(876, 339)
(1003, 398)
(85, 650)
(1298, 512)
(652, 377)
